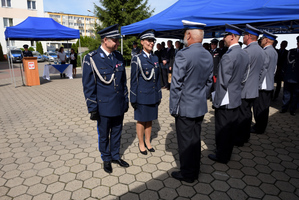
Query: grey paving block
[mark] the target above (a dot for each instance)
(49, 150)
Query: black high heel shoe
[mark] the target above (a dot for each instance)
(151, 149)
(142, 152)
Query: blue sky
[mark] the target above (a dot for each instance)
(80, 7)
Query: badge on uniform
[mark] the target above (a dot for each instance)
(144, 56)
(102, 55)
(147, 73)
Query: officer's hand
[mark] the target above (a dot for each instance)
(127, 108)
(94, 115)
(134, 105)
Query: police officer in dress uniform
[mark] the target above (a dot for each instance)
(216, 56)
(145, 91)
(251, 88)
(291, 81)
(190, 85)
(26, 52)
(266, 85)
(105, 90)
(136, 50)
(281, 61)
(227, 99)
(168, 60)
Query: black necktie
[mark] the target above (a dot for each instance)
(110, 56)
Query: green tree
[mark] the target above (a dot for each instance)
(31, 49)
(1, 53)
(122, 12)
(74, 46)
(39, 48)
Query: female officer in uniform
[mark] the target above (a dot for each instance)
(145, 95)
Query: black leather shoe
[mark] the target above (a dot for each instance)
(143, 152)
(107, 167)
(239, 144)
(293, 113)
(216, 159)
(177, 175)
(151, 149)
(121, 163)
(283, 111)
(253, 130)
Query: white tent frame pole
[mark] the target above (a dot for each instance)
(80, 55)
(122, 46)
(12, 64)
(9, 66)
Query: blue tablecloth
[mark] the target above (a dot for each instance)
(61, 67)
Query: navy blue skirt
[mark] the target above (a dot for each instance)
(145, 113)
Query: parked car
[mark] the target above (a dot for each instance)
(16, 55)
(39, 57)
(45, 57)
(52, 56)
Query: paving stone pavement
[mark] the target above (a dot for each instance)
(48, 150)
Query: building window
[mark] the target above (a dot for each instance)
(6, 3)
(7, 22)
(31, 4)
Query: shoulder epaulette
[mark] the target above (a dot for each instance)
(93, 53)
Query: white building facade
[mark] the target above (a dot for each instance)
(13, 12)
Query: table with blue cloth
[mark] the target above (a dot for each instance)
(57, 69)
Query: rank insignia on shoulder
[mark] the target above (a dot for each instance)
(144, 55)
(102, 55)
(92, 53)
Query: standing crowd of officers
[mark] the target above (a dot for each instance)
(236, 80)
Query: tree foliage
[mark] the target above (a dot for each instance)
(31, 49)
(39, 48)
(122, 12)
(1, 53)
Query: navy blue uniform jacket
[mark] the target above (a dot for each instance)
(111, 99)
(143, 91)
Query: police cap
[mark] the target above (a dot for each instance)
(147, 34)
(25, 46)
(269, 35)
(251, 30)
(134, 43)
(193, 25)
(214, 41)
(232, 29)
(110, 32)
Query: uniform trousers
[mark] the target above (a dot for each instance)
(188, 135)
(165, 76)
(226, 121)
(290, 96)
(261, 110)
(109, 135)
(244, 121)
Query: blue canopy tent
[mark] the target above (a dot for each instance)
(277, 16)
(40, 29)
